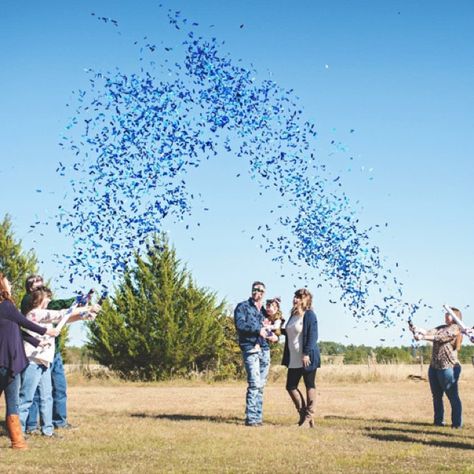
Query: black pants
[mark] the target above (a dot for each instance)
(294, 376)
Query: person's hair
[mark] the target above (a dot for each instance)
(305, 301)
(4, 293)
(457, 343)
(36, 298)
(33, 282)
(278, 314)
(258, 283)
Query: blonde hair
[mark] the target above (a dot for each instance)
(305, 301)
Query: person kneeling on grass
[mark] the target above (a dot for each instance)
(38, 372)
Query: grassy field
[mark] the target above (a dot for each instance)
(378, 426)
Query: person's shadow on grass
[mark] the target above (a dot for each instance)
(426, 442)
(390, 432)
(232, 420)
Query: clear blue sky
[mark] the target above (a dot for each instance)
(400, 73)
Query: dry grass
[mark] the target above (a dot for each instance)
(381, 426)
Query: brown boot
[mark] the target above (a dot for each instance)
(15, 432)
(299, 403)
(310, 397)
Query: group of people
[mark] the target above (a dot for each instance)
(32, 373)
(31, 369)
(258, 325)
(256, 329)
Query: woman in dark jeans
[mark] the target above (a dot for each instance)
(445, 368)
(301, 355)
(13, 358)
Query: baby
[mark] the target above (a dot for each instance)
(272, 323)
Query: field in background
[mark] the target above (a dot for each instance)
(191, 426)
(358, 373)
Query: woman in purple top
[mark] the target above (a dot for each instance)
(13, 358)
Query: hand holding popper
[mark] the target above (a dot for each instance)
(418, 333)
(81, 300)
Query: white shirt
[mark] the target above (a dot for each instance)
(294, 335)
(45, 318)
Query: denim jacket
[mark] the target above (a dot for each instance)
(248, 320)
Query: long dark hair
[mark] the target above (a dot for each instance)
(35, 299)
(305, 301)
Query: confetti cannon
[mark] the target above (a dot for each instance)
(81, 300)
(469, 332)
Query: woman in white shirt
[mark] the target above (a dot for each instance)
(301, 354)
(38, 373)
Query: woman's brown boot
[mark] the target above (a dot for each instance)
(300, 405)
(15, 432)
(310, 397)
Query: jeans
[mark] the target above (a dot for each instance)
(11, 389)
(37, 377)
(257, 366)
(446, 381)
(58, 381)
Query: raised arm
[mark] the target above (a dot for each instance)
(445, 336)
(45, 316)
(30, 339)
(14, 315)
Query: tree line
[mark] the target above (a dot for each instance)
(354, 354)
(159, 323)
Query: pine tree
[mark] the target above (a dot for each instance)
(159, 323)
(14, 262)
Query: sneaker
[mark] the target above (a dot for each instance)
(52, 435)
(32, 432)
(253, 424)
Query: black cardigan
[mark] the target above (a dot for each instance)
(310, 342)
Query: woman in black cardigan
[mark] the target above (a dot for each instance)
(301, 355)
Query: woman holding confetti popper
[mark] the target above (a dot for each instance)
(301, 355)
(38, 372)
(445, 369)
(13, 358)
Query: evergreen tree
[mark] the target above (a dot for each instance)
(159, 323)
(14, 262)
(230, 363)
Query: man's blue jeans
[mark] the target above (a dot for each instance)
(257, 366)
(446, 381)
(37, 376)
(58, 380)
(11, 389)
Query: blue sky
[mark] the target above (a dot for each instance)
(399, 73)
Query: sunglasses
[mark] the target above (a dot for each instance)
(258, 290)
